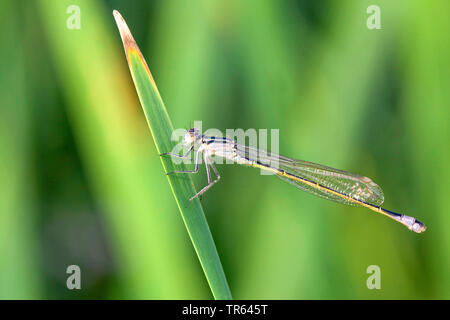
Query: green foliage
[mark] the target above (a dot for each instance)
(161, 127)
(81, 179)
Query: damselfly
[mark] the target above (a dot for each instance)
(322, 181)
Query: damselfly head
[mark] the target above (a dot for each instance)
(191, 136)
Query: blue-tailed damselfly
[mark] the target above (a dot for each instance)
(322, 181)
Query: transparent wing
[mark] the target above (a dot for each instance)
(349, 184)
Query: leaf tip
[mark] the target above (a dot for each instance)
(130, 45)
(125, 33)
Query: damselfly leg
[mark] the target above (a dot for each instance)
(208, 163)
(177, 155)
(197, 155)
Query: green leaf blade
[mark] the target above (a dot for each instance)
(182, 188)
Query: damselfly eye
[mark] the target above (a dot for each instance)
(192, 135)
(189, 138)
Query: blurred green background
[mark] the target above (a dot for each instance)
(81, 182)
